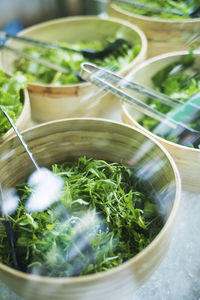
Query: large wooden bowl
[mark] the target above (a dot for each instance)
(77, 100)
(64, 140)
(163, 35)
(23, 121)
(187, 159)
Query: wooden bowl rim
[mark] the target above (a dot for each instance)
(124, 23)
(154, 19)
(106, 274)
(141, 66)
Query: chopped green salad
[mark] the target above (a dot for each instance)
(186, 8)
(104, 217)
(71, 61)
(11, 99)
(176, 81)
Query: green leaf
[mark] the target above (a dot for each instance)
(104, 218)
(35, 72)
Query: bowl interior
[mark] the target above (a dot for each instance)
(143, 74)
(65, 140)
(78, 29)
(163, 35)
(62, 141)
(155, 19)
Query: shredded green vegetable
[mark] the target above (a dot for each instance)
(186, 7)
(71, 61)
(11, 99)
(104, 218)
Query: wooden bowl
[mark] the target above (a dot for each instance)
(23, 121)
(164, 35)
(187, 159)
(77, 100)
(64, 140)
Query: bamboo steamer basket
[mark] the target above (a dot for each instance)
(187, 159)
(77, 100)
(163, 35)
(23, 120)
(65, 140)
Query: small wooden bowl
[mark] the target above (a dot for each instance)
(163, 35)
(77, 100)
(23, 121)
(187, 159)
(65, 140)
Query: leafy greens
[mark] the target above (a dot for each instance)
(175, 81)
(104, 218)
(11, 99)
(186, 7)
(71, 61)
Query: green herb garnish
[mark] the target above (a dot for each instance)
(104, 218)
(11, 99)
(71, 61)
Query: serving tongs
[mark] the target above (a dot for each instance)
(117, 47)
(20, 137)
(8, 225)
(173, 123)
(41, 61)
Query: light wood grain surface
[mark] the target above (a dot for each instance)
(64, 140)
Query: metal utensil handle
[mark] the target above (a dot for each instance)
(142, 89)
(9, 232)
(36, 59)
(38, 43)
(128, 98)
(41, 61)
(95, 74)
(21, 139)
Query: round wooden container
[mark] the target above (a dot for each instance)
(163, 35)
(77, 100)
(187, 159)
(23, 121)
(65, 140)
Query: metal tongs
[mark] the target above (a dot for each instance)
(8, 224)
(115, 48)
(41, 61)
(173, 123)
(53, 179)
